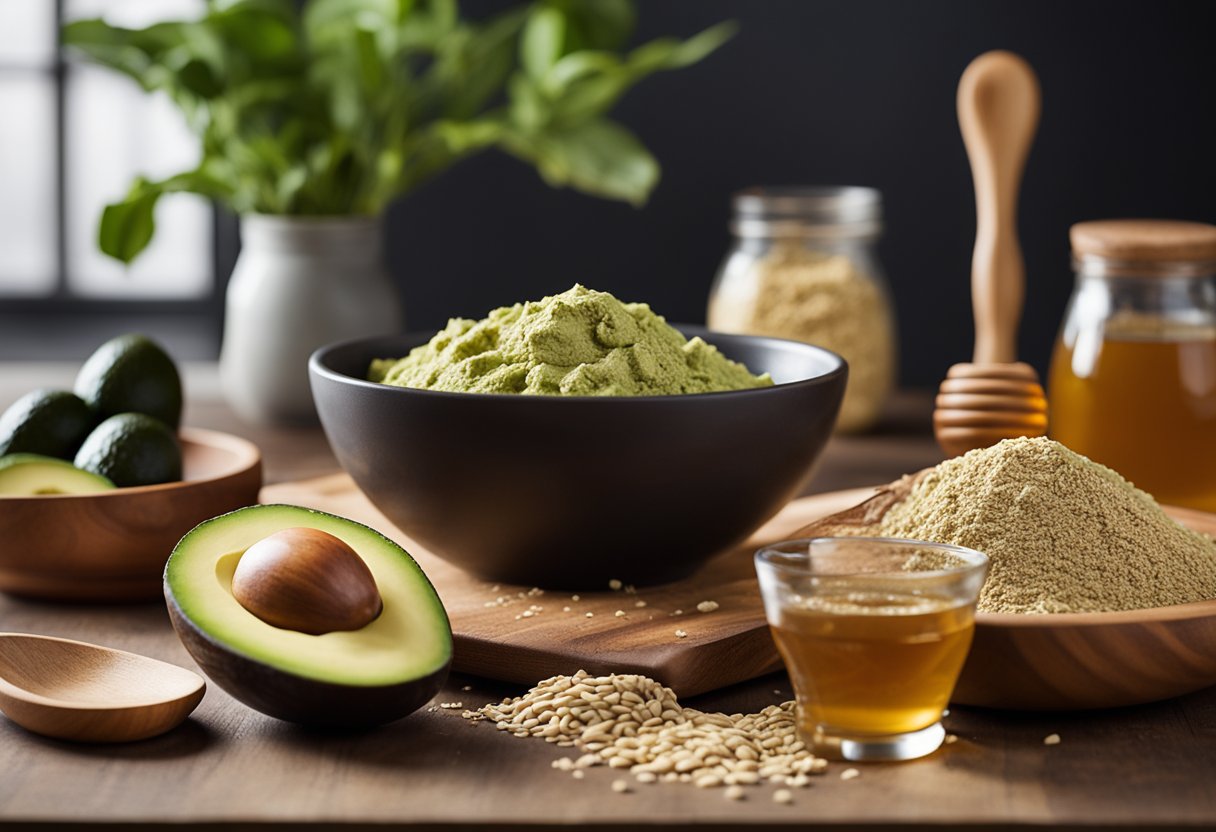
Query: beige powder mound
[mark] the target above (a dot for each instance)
(1064, 534)
(822, 299)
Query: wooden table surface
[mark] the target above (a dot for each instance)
(1149, 766)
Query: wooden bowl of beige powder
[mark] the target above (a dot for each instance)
(1097, 597)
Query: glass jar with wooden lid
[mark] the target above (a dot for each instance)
(1133, 378)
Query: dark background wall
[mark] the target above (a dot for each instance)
(846, 92)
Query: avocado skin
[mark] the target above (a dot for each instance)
(46, 422)
(132, 449)
(293, 698)
(131, 373)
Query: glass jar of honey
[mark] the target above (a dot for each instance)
(1133, 377)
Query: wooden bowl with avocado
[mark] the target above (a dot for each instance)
(572, 491)
(98, 484)
(111, 545)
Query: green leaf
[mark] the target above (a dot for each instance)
(371, 70)
(590, 98)
(529, 112)
(263, 33)
(127, 226)
(464, 137)
(667, 53)
(597, 24)
(331, 16)
(577, 65)
(541, 44)
(109, 46)
(198, 78)
(599, 157)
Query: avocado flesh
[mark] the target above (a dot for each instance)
(410, 639)
(30, 475)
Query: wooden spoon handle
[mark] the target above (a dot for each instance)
(998, 111)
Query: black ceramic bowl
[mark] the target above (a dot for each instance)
(571, 492)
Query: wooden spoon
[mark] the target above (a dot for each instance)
(994, 397)
(77, 691)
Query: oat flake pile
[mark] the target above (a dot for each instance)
(632, 722)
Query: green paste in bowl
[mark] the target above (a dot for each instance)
(578, 343)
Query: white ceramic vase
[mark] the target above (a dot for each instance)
(299, 283)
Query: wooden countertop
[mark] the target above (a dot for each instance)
(1150, 766)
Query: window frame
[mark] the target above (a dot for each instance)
(61, 299)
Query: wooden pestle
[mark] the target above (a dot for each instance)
(994, 397)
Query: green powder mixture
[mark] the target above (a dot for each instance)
(578, 343)
(1063, 533)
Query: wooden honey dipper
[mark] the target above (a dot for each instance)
(994, 397)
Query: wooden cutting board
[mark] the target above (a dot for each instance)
(521, 634)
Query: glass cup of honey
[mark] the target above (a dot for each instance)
(873, 632)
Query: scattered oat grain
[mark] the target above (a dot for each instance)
(619, 613)
(850, 774)
(1051, 739)
(707, 606)
(734, 793)
(632, 722)
(615, 585)
(783, 796)
(681, 634)
(620, 786)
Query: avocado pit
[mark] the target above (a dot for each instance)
(306, 580)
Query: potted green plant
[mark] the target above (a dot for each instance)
(313, 117)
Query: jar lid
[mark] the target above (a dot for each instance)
(808, 211)
(1144, 241)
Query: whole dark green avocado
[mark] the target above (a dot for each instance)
(46, 422)
(132, 374)
(131, 449)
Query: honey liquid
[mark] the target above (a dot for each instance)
(1146, 408)
(873, 665)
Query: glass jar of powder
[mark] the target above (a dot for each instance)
(803, 266)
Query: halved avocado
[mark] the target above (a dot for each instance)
(29, 475)
(350, 678)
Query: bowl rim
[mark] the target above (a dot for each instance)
(248, 457)
(318, 367)
(1191, 611)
